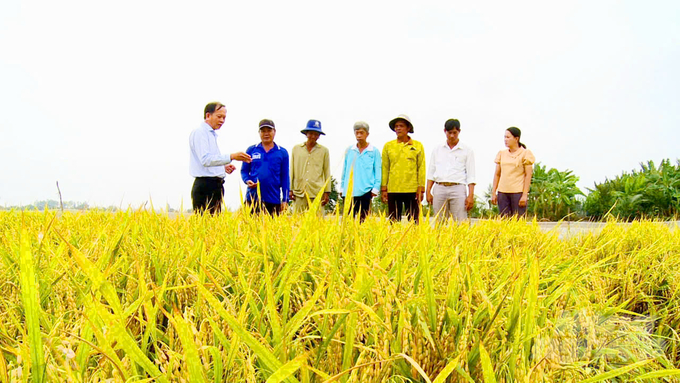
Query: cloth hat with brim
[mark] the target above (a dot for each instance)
(404, 118)
(267, 123)
(313, 126)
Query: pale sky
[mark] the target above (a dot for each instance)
(102, 96)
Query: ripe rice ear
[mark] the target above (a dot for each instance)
(119, 333)
(258, 348)
(190, 354)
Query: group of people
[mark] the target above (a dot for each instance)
(399, 175)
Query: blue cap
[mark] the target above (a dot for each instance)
(313, 126)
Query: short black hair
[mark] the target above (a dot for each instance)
(212, 107)
(451, 124)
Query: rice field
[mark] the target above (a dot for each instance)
(140, 296)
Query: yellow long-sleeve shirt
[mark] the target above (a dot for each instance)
(403, 166)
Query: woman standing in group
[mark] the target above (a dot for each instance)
(512, 180)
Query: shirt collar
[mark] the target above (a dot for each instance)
(369, 148)
(459, 146)
(304, 145)
(276, 146)
(207, 127)
(409, 142)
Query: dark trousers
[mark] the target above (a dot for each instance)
(508, 205)
(259, 207)
(397, 203)
(206, 194)
(361, 205)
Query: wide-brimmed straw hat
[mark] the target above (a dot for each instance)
(402, 117)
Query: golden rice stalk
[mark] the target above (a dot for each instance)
(258, 348)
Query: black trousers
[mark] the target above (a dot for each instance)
(397, 203)
(508, 205)
(361, 205)
(206, 194)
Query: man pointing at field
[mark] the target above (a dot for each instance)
(207, 164)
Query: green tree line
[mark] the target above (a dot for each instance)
(650, 192)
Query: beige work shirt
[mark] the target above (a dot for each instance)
(309, 171)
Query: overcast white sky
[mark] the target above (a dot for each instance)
(102, 96)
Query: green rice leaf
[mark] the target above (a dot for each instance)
(287, 369)
(258, 348)
(31, 302)
(487, 367)
(616, 372)
(659, 374)
(416, 366)
(120, 334)
(191, 357)
(448, 369)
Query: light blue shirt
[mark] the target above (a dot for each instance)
(366, 168)
(205, 159)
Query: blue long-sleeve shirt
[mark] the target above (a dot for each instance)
(271, 169)
(366, 168)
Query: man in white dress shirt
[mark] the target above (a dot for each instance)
(452, 168)
(207, 164)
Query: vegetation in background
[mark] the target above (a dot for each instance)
(553, 194)
(52, 205)
(483, 207)
(131, 296)
(651, 192)
(334, 197)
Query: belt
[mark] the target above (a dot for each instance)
(214, 179)
(448, 183)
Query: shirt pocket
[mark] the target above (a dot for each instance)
(367, 161)
(411, 154)
(460, 162)
(314, 166)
